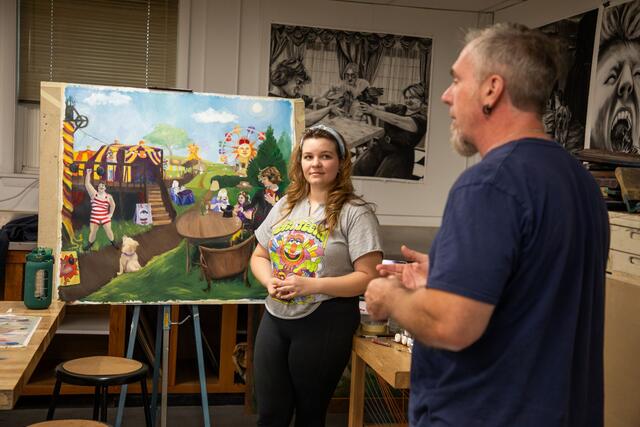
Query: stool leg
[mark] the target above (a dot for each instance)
(54, 398)
(103, 415)
(96, 403)
(145, 402)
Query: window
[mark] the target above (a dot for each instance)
(398, 68)
(107, 42)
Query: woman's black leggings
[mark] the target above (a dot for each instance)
(298, 363)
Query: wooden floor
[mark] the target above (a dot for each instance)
(183, 416)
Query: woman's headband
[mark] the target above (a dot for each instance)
(333, 133)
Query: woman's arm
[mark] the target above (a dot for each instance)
(403, 122)
(261, 268)
(349, 285)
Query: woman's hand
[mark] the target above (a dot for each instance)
(365, 108)
(272, 287)
(294, 286)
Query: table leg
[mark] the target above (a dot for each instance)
(356, 395)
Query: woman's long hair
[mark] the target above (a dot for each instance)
(340, 193)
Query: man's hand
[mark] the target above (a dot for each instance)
(379, 296)
(414, 275)
(270, 198)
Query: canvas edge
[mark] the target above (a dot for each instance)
(50, 195)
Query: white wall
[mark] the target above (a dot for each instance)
(8, 36)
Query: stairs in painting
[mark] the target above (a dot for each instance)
(158, 209)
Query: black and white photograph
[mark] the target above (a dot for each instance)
(614, 111)
(566, 112)
(373, 88)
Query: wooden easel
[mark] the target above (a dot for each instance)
(163, 327)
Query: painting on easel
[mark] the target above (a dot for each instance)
(159, 192)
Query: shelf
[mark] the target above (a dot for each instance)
(80, 320)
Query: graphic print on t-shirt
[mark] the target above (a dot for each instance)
(297, 247)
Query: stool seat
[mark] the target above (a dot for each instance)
(101, 372)
(101, 369)
(69, 423)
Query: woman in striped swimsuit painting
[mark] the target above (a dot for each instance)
(102, 208)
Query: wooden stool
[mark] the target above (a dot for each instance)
(69, 423)
(101, 372)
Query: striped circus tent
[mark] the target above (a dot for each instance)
(80, 158)
(127, 163)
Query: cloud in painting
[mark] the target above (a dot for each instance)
(111, 98)
(214, 116)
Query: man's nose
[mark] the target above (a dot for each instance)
(625, 87)
(446, 96)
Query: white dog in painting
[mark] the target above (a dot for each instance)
(129, 257)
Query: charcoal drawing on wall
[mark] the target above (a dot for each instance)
(372, 88)
(566, 112)
(614, 111)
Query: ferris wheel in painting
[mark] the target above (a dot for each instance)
(239, 147)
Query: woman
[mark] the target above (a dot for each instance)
(242, 209)
(404, 126)
(287, 80)
(264, 199)
(316, 252)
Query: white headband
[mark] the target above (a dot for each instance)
(333, 133)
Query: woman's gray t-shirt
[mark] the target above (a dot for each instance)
(298, 244)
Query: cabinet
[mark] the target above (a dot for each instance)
(103, 330)
(622, 323)
(624, 255)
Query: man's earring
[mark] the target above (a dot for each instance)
(486, 110)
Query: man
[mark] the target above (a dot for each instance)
(509, 327)
(616, 113)
(102, 208)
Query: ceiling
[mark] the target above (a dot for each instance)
(459, 5)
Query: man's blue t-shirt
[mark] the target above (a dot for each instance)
(525, 230)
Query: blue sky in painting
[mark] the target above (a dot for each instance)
(130, 114)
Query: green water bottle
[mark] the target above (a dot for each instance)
(38, 278)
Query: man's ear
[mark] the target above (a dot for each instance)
(492, 89)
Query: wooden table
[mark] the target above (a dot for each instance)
(17, 364)
(195, 226)
(355, 132)
(391, 363)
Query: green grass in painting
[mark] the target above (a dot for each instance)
(203, 180)
(200, 185)
(164, 278)
(120, 228)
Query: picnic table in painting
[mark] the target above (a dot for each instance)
(197, 227)
(355, 132)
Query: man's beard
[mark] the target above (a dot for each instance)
(460, 144)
